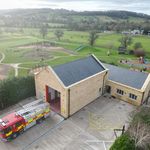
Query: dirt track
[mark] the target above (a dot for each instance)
(5, 68)
(49, 48)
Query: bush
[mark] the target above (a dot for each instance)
(112, 63)
(124, 142)
(143, 115)
(131, 52)
(140, 133)
(16, 89)
(137, 45)
(139, 129)
(139, 53)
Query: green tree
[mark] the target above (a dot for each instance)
(124, 142)
(93, 36)
(44, 31)
(59, 34)
(125, 41)
(137, 45)
(13, 90)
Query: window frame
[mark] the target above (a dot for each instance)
(18, 124)
(132, 96)
(120, 92)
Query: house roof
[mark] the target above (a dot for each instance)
(78, 70)
(127, 77)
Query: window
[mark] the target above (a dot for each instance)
(18, 124)
(132, 96)
(26, 113)
(120, 92)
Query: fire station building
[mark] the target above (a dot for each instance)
(128, 85)
(71, 86)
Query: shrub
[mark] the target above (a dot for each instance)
(124, 142)
(131, 52)
(15, 89)
(143, 115)
(140, 133)
(112, 63)
(139, 53)
(139, 129)
(137, 45)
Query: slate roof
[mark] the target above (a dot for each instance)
(125, 76)
(78, 70)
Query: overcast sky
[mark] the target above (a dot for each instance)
(142, 6)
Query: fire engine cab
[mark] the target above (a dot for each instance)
(17, 122)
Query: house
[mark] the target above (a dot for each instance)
(128, 85)
(71, 86)
(126, 32)
(137, 32)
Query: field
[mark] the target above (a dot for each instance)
(24, 50)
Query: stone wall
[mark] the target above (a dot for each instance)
(86, 91)
(127, 90)
(47, 77)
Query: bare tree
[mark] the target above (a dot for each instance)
(92, 37)
(44, 31)
(126, 41)
(59, 34)
(140, 133)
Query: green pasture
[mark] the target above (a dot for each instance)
(10, 42)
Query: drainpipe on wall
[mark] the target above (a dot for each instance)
(142, 102)
(68, 102)
(104, 82)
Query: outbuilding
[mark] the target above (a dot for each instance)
(71, 86)
(128, 85)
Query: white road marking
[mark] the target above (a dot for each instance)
(104, 145)
(98, 141)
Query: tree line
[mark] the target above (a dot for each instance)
(15, 89)
(81, 21)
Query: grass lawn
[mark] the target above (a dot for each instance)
(11, 73)
(71, 41)
(23, 72)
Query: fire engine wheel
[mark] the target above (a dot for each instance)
(14, 135)
(39, 120)
(21, 131)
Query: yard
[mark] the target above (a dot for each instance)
(90, 128)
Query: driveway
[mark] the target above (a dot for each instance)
(89, 129)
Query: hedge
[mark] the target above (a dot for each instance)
(124, 142)
(16, 89)
(143, 115)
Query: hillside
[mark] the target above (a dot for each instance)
(102, 20)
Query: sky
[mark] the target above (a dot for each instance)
(142, 6)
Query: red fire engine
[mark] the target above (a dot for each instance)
(17, 122)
